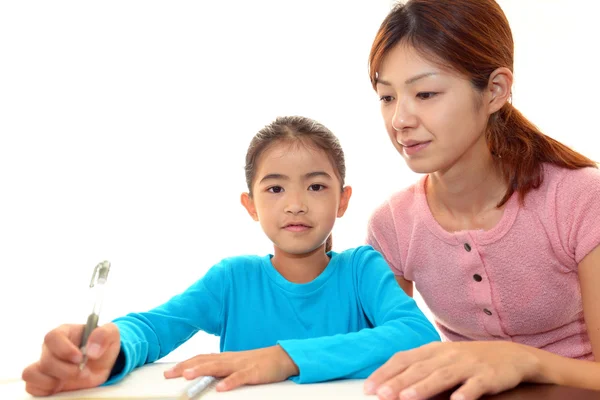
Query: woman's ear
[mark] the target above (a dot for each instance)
(248, 204)
(344, 200)
(499, 88)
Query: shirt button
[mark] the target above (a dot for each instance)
(488, 312)
(477, 278)
(467, 247)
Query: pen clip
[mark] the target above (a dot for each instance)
(100, 273)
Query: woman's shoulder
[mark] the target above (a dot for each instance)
(561, 183)
(554, 174)
(565, 193)
(404, 202)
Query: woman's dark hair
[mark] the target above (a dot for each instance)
(474, 38)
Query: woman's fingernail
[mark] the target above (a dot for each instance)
(385, 392)
(408, 394)
(369, 387)
(457, 396)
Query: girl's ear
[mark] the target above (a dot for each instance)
(344, 200)
(248, 204)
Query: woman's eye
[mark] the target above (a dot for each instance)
(426, 95)
(316, 187)
(275, 189)
(386, 99)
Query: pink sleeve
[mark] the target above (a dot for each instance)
(577, 210)
(382, 235)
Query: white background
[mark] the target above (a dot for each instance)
(124, 125)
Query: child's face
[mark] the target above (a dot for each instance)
(296, 197)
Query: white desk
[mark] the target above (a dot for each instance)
(149, 384)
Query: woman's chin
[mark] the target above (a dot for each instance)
(421, 166)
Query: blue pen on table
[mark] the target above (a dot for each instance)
(197, 387)
(97, 284)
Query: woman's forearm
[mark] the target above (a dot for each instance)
(559, 370)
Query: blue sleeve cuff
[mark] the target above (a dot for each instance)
(123, 365)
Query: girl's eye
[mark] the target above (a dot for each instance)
(275, 189)
(426, 95)
(316, 187)
(386, 99)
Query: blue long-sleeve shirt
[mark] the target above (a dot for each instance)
(344, 324)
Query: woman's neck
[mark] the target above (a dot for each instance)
(300, 268)
(471, 187)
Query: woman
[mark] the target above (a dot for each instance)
(501, 235)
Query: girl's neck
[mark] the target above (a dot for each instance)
(300, 268)
(472, 186)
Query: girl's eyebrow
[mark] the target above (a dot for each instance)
(315, 174)
(310, 175)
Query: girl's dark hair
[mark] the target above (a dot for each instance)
(291, 129)
(474, 38)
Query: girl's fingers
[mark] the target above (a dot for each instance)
(178, 369)
(38, 383)
(57, 368)
(235, 380)
(59, 343)
(219, 368)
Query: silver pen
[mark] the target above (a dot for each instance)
(97, 284)
(197, 387)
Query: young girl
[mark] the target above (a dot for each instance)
(304, 312)
(501, 235)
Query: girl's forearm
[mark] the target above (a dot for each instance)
(559, 370)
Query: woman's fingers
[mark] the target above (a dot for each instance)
(422, 379)
(486, 382)
(396, 365)
(436, 381)
(477, 368)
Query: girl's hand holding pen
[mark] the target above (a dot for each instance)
(267, 365)
(58, 370)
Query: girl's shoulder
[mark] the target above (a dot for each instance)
(240, 263)
(360, 259)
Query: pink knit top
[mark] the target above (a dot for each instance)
(517, 281)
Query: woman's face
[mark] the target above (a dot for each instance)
(434, 117)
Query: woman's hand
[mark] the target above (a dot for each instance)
(477, 368)
(271, 364)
